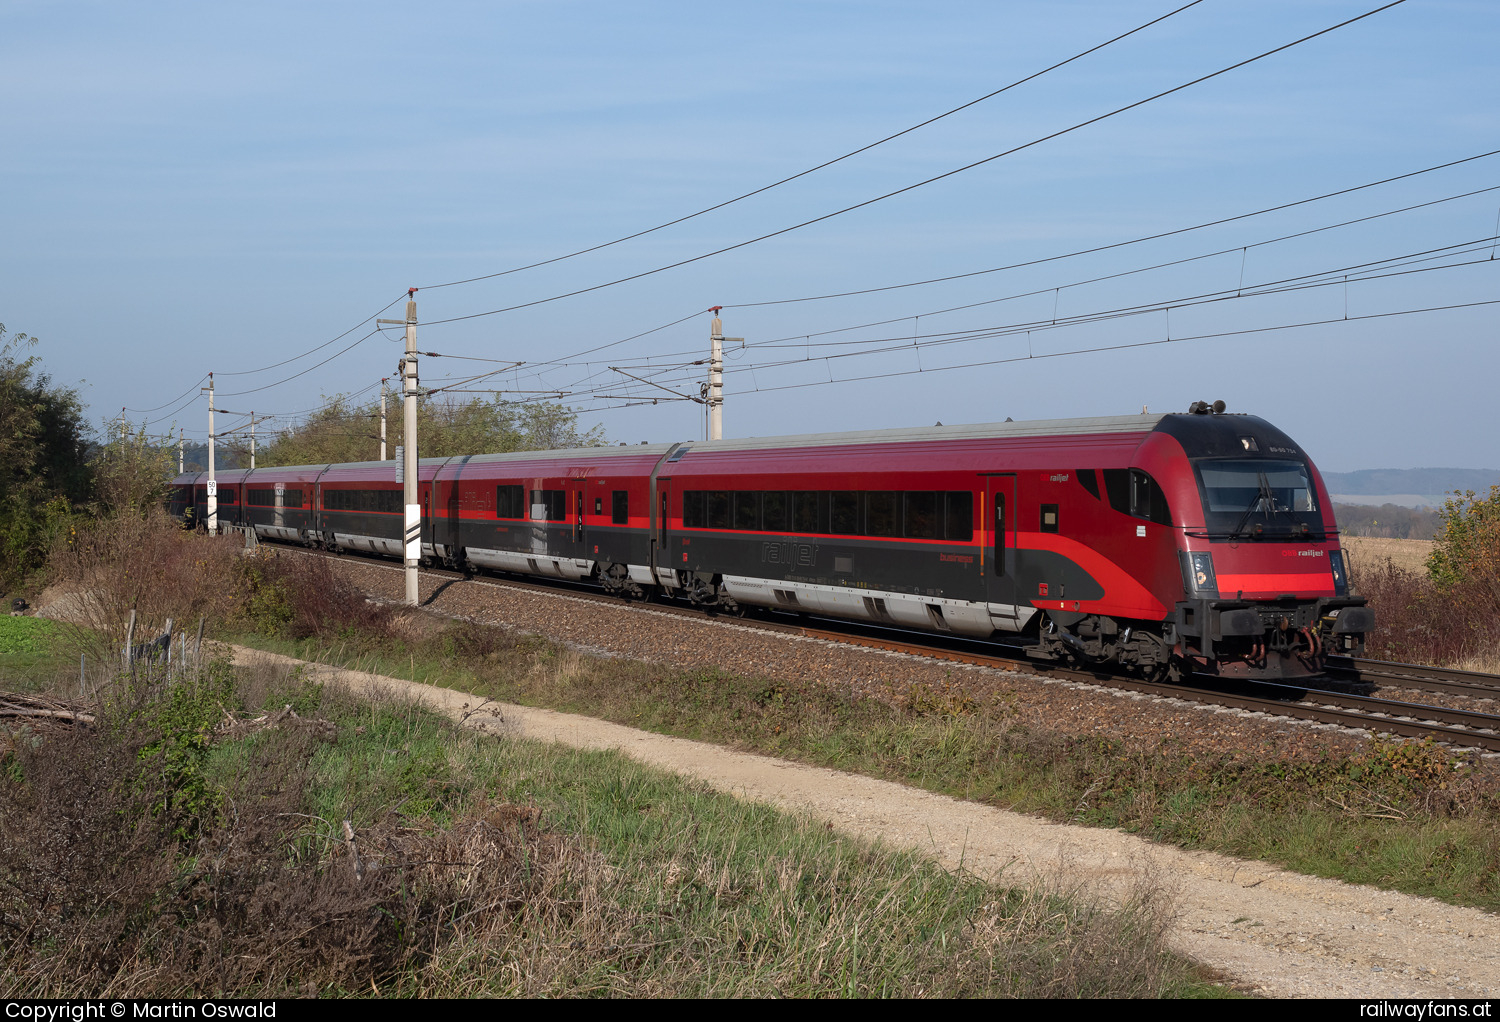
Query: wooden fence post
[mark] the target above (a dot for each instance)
(129, 638)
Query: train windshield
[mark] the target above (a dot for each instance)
(1242, 485)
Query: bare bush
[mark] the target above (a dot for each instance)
(302, 597)
(146, 563)
(1419, 621)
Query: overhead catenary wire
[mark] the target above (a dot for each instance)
(304, 372)
(899, 344)
(1321, 278)
(320, 347)
(1116, 244)
(1245, 247)
(826, 163)
(803, 340)
(564, 360)
(1124, 346)
(529, 368)
(191, 389)
(927, 181)
(744, 305)
(1099, 349)
(277, 365)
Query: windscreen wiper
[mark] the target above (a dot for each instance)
(1263, 497)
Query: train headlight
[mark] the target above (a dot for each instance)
(1200, 573)
(1340, 579)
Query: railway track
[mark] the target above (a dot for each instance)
(1462, 728)
(1415, 676)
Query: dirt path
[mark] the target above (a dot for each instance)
(1278, 933)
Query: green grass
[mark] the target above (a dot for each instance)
(1402, 816)
(27, 636)
(31, 654)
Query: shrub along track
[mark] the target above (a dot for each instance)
(1457, 726)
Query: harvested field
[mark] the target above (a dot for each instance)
(1366, 553)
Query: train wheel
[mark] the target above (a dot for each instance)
(1169, 673)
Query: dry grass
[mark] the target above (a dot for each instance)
(1486, 663)
(1366, 553)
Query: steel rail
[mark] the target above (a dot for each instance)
(1417, 676)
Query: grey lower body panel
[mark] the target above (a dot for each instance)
(528, 563)
(906, 610)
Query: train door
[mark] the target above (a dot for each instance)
(661, 557)
(998, 553)
(315, 534)
(452, 515)
(429, 527)
(452, 500)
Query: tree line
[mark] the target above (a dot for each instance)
(1388, 521)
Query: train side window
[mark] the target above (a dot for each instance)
(775, 511)
(509, 502)
(747, 510)
(549, 505)
(844, 512)
(1117, 488)
(694, 509)
(921, 516)
(1147, 499)
(620, 507)
(267, 498)
(882, 514)
(381, 501)
(718, 509)
(1088, 480)
(809, 512)
(958, 523)
(1049, 517)
(882, 511)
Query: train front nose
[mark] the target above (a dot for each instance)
(1266, 586)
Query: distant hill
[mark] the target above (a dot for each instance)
(1379, 481)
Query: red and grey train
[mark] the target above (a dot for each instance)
(1199, 541)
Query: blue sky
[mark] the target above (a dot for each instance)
(195, 187)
